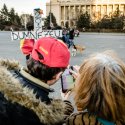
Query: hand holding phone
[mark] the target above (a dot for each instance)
(65, 96)
(67, 81)
(73, 72)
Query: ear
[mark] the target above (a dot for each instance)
(57, 76)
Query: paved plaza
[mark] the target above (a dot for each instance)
(94, 42)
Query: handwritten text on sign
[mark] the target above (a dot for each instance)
(37, 20)
(35, 35)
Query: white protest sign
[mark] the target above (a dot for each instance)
(35, 35)
(38, 32)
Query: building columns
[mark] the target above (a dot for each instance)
(69, 15)
(64, 15)
(101, 9)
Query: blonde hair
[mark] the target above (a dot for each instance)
(100, 87)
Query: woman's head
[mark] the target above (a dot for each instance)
(100, 86)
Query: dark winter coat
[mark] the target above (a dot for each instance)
(21, 104)
(71, 34)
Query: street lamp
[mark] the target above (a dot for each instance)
(25, 22)
(24, 19)
(50, 14)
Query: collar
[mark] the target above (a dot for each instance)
(35, 80)
(101, 120)
(105, 122)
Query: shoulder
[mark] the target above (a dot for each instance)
(16, 114)
(82, 118)
(9, 64)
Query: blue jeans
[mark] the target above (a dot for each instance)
(70, 43)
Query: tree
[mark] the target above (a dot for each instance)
(47, 21)
(14, 19)
(30, 23)
(83, 21)
(105, 23)
(8, 18)
(117, 13)
(18, 20)
(117, 20)
(4, 13)
(27, 20)
(117, 23)
(4, 10)
(12, 15)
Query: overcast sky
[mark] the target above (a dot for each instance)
(25, 6)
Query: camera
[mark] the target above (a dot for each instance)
(67, 80)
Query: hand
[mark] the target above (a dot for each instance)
(65, 95)
(76, 67)
(75, 71)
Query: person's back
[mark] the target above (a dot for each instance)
(14, 100)
(71, 34)
(100, 91)
(24, 92)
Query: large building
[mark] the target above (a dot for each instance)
(67, 11)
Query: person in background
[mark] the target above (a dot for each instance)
(65, 37)
(24, 91)
(99, 92)
(71, 37)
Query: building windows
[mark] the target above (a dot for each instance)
(70, 9)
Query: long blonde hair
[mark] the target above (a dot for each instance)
(100, 87)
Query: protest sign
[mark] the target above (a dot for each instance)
(35, 35)
(38, 32)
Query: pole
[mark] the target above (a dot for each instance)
(25, 21)
(37, 20)
(50, 14)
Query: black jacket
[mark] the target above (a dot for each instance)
(71, 34)
(40, 89)
(24, 100)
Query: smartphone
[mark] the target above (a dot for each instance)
(67, 81)
(71, 67)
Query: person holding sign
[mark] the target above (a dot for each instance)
(24, 91)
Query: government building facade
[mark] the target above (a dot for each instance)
(68, 11)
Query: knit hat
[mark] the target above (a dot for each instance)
(54, 52)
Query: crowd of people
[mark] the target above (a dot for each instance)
(99, 91)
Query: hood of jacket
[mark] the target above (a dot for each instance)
(15, 92)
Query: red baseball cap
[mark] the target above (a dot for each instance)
(26, 46)
(55, 53)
